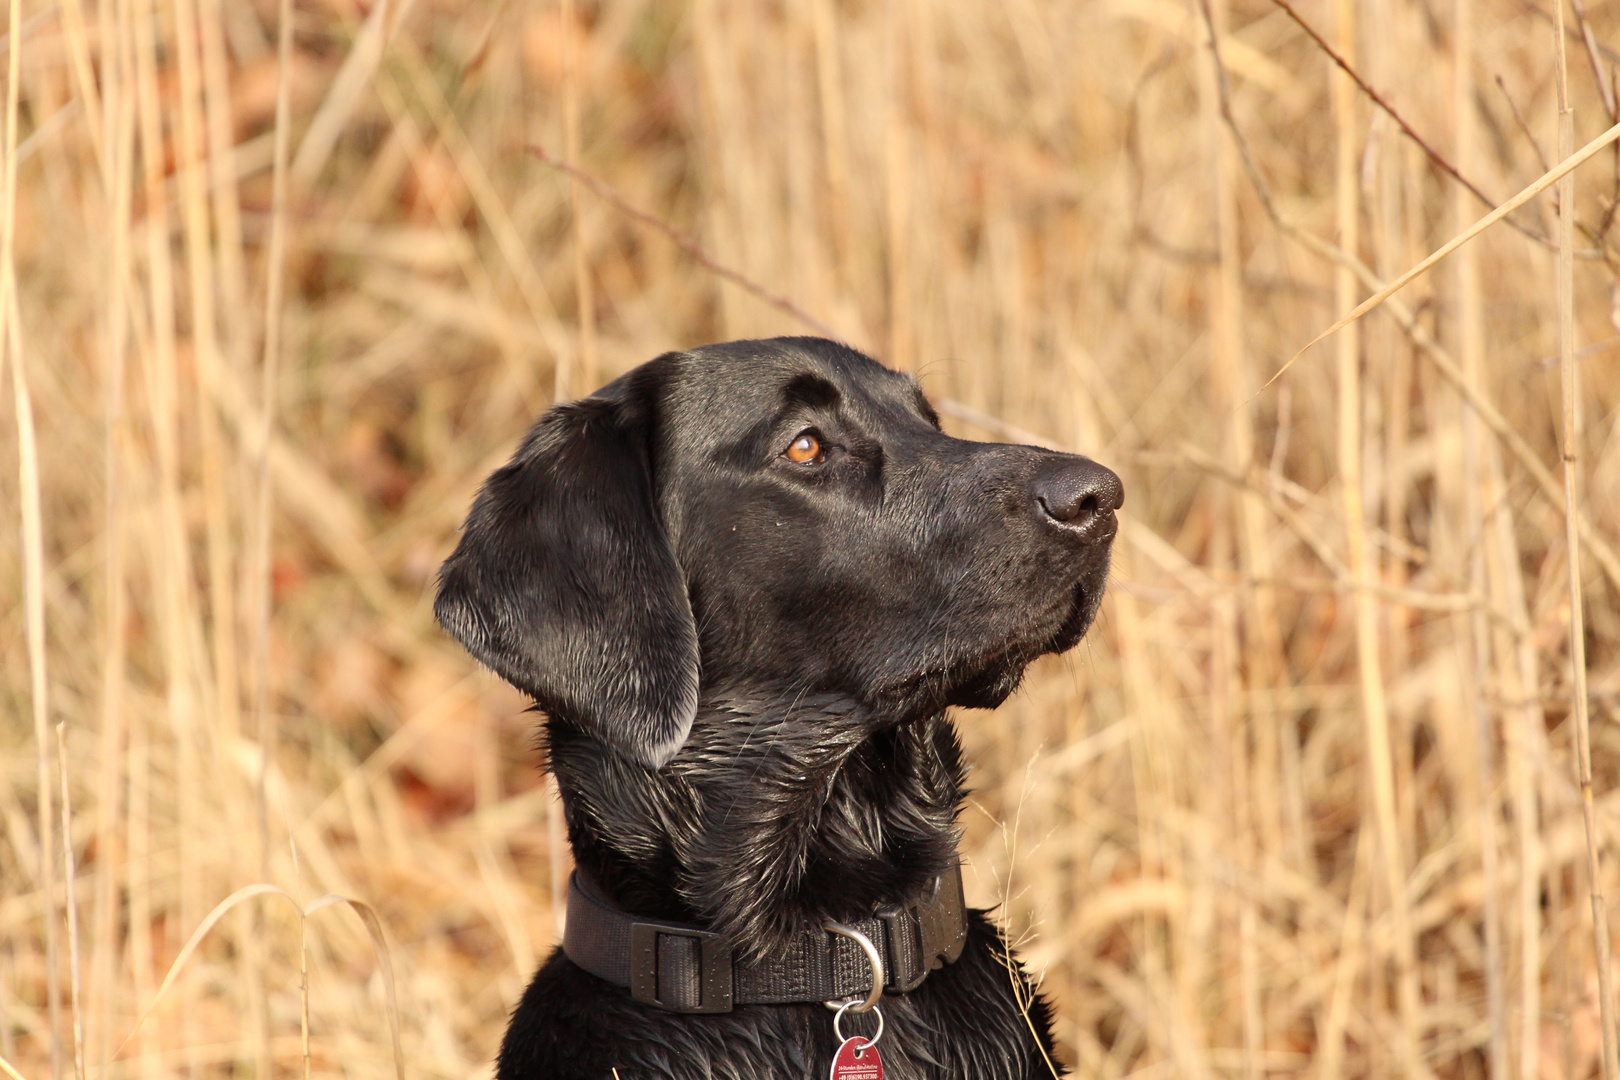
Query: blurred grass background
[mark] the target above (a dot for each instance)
(1303, 803)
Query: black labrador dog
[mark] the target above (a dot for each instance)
(743, 584)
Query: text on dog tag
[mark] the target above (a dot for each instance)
(857, 1059)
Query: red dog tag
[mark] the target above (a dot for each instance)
(857, 1059)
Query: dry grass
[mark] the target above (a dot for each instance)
(1308, 801)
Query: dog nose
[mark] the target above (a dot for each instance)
(1080, 496)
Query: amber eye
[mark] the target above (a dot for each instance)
(805, 450)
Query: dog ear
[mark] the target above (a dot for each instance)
(565, 583)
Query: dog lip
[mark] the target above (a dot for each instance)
(1055, 627)
(1085, 599)
(1081, 610)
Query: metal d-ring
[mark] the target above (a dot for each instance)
(839, 1034)
(872, 957)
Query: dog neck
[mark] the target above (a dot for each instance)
(778, 814)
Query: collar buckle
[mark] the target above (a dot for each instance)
(927, 935)
(942, 922)
(651, 942)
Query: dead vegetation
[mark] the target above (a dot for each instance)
(1308, 801)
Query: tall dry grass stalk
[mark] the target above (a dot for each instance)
(1360, 561)
(585, 292)
(1570, 386)
(1470, 321)
(71, 903)
(32, 578)
(1319, 794)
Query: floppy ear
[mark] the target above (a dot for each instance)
(566, 585)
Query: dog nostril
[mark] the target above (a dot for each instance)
(1069, 511)
(1079, 495)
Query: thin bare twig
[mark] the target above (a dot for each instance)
(1546, 180)
(684, 242)
(1524, 128)
(1407, 319)
(1608, 91)
(1378, 99)
(1605, 90)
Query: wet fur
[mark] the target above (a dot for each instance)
(745, 670)
(843, 811)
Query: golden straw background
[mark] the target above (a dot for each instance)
(281, 283)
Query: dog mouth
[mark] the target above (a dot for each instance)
(987, 677)
(1085, 599)
(1077, 610)
(985, 681)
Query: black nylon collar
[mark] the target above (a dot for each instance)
(688, 969)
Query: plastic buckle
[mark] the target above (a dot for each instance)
(904, 972)
(714, 968)
(942, 922)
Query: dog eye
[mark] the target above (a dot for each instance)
(806, 450)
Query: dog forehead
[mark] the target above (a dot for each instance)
(724, 391)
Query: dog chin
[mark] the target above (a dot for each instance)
(989, 687)
(988, 683)
(1083, 610)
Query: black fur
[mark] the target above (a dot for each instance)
(565, 584)
(745, 664)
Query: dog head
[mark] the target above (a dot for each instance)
(782, 515)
